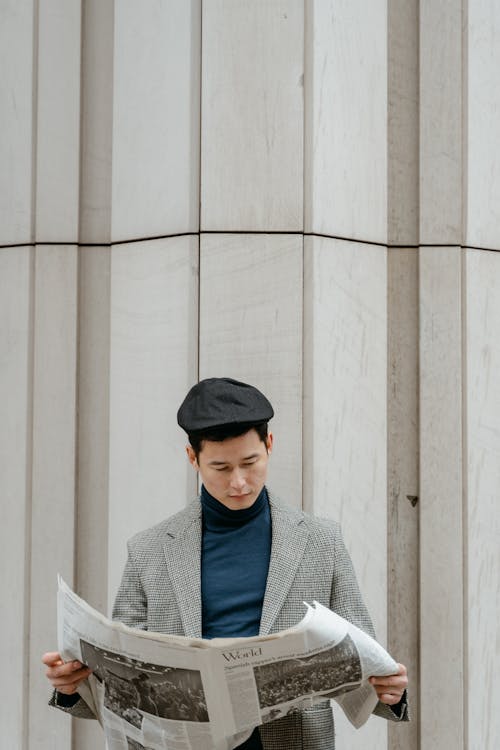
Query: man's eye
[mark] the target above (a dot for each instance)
(222, 468)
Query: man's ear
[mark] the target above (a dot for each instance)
(192, 457)
(269, 442)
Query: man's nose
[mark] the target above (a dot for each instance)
(237, 478)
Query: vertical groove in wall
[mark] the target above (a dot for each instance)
(465, 452)
(465, 546)
(303, 357)
(465, 119)
(419, 398)
(403, 217)
(76, 485)
(417, 198)
(76, 424)
(403, 509)
(80, 175)
(465, 487)
(30, 382)
(34, 120)
(79, 251)
(308, 78)
(200, 191)
(417, 682)
(308, 8)
(28, 511)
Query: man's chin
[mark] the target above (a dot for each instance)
(239, 502)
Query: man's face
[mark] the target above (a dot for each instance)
(235, 470)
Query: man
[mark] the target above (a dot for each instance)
(237, 562)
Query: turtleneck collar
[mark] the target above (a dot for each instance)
(216, 514)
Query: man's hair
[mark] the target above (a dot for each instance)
(219, 434)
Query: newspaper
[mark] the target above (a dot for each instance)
(152, 691)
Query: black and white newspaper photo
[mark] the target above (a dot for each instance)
(156, 691)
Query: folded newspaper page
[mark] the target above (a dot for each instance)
(152, 691)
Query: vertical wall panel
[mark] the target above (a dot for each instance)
(402, 122)
(252, 118)
(251, 329)
(441, 545)
(58, 121)
(53, 486)
(16, 105)
(15, 455)
(156, 118)
(483, 481)
(346, 119)
(153, 362)
(483, 124)
(96, 120)
(402, 478)
(440, 122)
(345, 419)
(92, 530)
(93, 424)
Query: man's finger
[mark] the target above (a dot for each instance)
(63, 669)
(51, 658)
(388, 681)
(71, 679)
(389, 699)
(400, 679)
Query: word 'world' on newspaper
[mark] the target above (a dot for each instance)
(152, 691)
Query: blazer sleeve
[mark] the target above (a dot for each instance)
(346, 600)
(131, 603)
(130, 608)
(78, 709)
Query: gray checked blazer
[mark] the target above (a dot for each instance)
(160, 592)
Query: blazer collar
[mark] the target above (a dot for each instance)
(289, 538)
(182, 550)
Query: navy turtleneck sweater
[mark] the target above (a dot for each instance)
(236, 547)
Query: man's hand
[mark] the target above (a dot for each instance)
(391, 688)
(64, 676)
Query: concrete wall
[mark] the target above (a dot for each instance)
(300, 193)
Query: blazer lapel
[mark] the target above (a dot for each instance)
(183, 557)
(289, 537)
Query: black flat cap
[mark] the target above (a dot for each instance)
(220, 402)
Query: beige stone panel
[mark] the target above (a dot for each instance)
(441, 527)
(251, 330)
(15, 455)
(252, 115)
(16, 105)
(93, 424)
(346, 119)
(483, 480)
(96, 120)
(483, 124)
(403, 122)
(402, 478)
(345, 419)
(153, 363)
(58, 121)
(53, 478)
(156, 118)
(441, 122)
(91, 581)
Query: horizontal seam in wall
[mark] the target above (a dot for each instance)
(248, 232)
